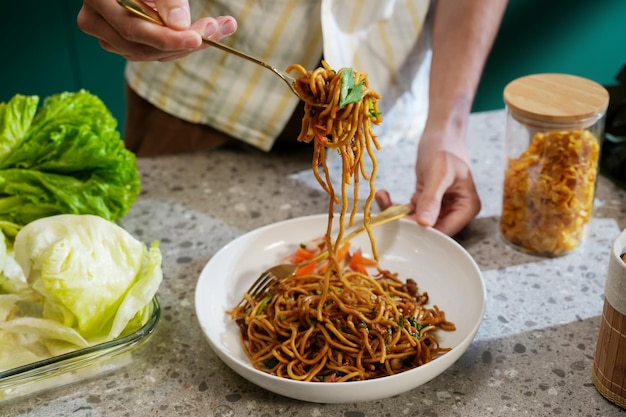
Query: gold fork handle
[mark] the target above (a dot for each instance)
(389, 214)
(141, 9)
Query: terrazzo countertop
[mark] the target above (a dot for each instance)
(531, 356)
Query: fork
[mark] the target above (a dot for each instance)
(141, 9)
(276, 274)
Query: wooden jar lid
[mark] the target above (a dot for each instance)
(556, 98)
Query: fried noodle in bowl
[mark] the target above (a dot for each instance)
(337, 320)
(438, 263)
(337, 325)
(343, 318)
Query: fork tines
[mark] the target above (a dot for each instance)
(259, 287)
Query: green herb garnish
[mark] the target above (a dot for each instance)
(263, 304)
(350, 93)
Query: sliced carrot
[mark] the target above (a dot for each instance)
(341, 254)
(343, 251)
(358, 262)
(306, 269)
(358, 268)
(302, 254)
(359, 258)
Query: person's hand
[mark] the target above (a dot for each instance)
(445, 195)
(136, 39)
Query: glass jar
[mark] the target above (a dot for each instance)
(554, 127)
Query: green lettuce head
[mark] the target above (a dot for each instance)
(66, 157)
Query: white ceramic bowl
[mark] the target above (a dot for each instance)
(438, 264)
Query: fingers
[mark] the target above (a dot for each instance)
(215, 28)
(457, 211)
(136, 39)
(132, 37)
(453, 224)
(450, 214)
(383, 199)
(447, 203)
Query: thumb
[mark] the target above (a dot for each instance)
(428, 202)
(175, 13)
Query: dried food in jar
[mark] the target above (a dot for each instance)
(549, 190)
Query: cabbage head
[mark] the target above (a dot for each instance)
(93, 276)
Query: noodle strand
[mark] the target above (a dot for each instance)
(336, 324)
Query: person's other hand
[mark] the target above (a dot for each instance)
(136, 39)
(445, 195)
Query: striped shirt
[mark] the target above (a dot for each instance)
(248, 102)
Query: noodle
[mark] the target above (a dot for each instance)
(333, 321)
(346, 129)
(370, 327)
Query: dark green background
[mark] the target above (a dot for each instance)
(45, 53)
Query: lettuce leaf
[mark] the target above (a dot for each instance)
(12, 279)
(67, 157)
(13, 353)
(46, 329)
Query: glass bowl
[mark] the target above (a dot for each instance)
(77, 365)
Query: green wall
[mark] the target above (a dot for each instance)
(580, 37)
(45, 53)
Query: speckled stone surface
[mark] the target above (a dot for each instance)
(532, 355)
